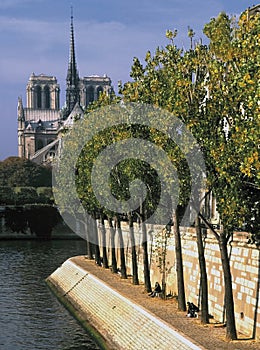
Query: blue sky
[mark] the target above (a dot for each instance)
(34, 37)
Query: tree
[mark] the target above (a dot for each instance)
(123, 174)
(179, 263)
(7, 195)
(42, 219)
(16, 220)
(104, 242)
(160, 253)
(39, 219)
(95, 241)
(113, 248)
(135, 278)
(203, 274)
(147, 280)
(26, 195)
(15, 171)
(232, 154)
(121, 247)
(161, 83)
(215, 90)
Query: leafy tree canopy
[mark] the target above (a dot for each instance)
(15, 171)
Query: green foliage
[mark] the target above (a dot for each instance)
(7, 195)
(124, 174)
(214, 90)
(219, 31)
(42, 219)
(38, 219)
(45, 195)
(25, 195)
(15, 171)
(234, 99)
(103, 100)
(16, 219)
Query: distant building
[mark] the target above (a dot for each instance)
(41, 120)
(252, 11)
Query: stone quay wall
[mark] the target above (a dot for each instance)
(123, 324)
(245, 270)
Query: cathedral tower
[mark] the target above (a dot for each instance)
(40, 122)
(43, 92)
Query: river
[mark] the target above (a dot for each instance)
(31, 318)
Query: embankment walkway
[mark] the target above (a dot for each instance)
(151, 319)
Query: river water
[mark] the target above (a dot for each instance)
(31, 318)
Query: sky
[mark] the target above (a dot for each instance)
(35, 37)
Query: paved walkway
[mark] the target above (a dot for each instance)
(210, 336)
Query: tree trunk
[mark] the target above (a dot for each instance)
(164, 254)
(231, 333)
(90, 250)
(203, 275)
(113, 249)
(96, 244)
(88, 228)
(147, 280)
(179, 265)
(104, 243)
(122, 250)
(133, 250)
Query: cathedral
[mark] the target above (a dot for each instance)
(40, 122)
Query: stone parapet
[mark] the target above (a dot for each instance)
(244, 266)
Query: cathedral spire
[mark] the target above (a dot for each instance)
(72, 91)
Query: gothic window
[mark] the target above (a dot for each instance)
(90, 94)
(47, 96)
(38, 96)
(39, 145)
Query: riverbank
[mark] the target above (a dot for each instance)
(211, 336)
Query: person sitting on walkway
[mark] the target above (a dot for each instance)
(192, 310)
(157, 290)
